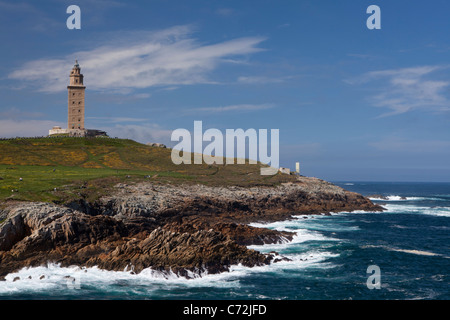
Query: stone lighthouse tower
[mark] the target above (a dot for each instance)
(75, 121)
(76, 99)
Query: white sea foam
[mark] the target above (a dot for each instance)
(404, 208)
(310, 222)
(401, 198)
(417, 252)
(58, 280)
(285, 225)
(62, 280)
(325, 223)
(410, 251)
(397, 226)
(297, 261)
(301, 236)
(304, 232)
(40, 279)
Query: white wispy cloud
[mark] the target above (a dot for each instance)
(36, 19)
(14, 113)
(236, 107)
(307, 149)
(117, 119)
(259, 80)
(26, 128)
(136, 60)
(408, 89)
(150, 132)
(362, 56)
(225, 12)
(412, 146)
(15, 122)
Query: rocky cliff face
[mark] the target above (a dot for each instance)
(180, 228)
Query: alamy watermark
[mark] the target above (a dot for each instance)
(374, 21)
(374, 280)
(74, 20)
(234, 144)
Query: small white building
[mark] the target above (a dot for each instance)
(285, 170)
(57, 130)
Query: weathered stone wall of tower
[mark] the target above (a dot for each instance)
(76, 108)
(76, 100)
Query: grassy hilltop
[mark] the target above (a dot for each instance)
(60, 169)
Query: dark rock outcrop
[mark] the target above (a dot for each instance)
(180, 229)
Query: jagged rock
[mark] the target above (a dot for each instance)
(68, 237)
(167, 250)
(183, 228)
(237, 204)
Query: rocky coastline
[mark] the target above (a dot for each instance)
(183, 229)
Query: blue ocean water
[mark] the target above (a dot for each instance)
(330, 254)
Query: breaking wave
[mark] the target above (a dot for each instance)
(325, 249)
(413, 209)
(73, 282)
(402, 198)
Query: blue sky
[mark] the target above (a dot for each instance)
(350, 103)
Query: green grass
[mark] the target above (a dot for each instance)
(38, 183)
(88, 168)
